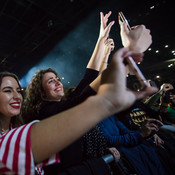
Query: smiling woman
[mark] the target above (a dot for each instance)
(11, 99)
(52, 86)
(10, 95)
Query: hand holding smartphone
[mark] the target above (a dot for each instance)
(133, 66)
(122, 18)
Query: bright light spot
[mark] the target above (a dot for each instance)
(166, 46)
(173, 51)
(157, 76)
(62, 78)
(149, 49)
(68, 82)
(170, 65)
(139, 63)
(157, 51)
(152, 7)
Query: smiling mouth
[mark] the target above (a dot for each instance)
(58, 89)
(15, 105)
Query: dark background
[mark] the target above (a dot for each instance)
(62, 34)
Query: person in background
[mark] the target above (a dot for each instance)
(167, 106)
(136, 146)
(162, 101)
(135, 116)
(154, 100)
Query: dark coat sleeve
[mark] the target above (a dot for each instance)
(90, 75)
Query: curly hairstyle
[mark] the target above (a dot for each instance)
(34, 96)
(16, 120)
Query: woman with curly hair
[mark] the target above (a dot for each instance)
(46, 91)
(34, 96)
(45, 95)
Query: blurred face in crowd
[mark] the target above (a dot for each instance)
(10, 97)
(52, 86)
(172, 97)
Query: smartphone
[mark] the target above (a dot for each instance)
(122, 18)
(131, 63)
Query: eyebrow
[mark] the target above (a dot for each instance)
(53, 78)
(9, 87)
(50, 78)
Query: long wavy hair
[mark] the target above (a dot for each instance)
(34, 96)
(16, 120)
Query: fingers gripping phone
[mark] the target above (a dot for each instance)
(131, 63)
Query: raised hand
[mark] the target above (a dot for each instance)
(96, 59)
(109, 46)
(136, 39)
(113, 83)
(104, 28)
(166, 87)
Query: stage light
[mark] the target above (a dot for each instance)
(170, 65)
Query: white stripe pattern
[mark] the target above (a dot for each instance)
(22, 149)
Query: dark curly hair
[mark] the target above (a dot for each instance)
(16, 120)
(34, 96)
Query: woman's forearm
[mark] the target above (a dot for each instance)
(97, 55)
(55, 133)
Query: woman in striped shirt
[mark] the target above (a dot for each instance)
(24, 147)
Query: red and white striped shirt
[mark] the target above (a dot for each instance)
(15, 152)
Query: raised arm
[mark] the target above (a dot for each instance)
(97, 55)
(108, 48)
(137, 39)
(151, 101)
(96, 83)
(55, 133)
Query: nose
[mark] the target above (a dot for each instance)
(17, 95)
(57, 82)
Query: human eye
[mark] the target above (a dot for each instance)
(7, 90)
(58, 79)
(50, 81)
(20, 91)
